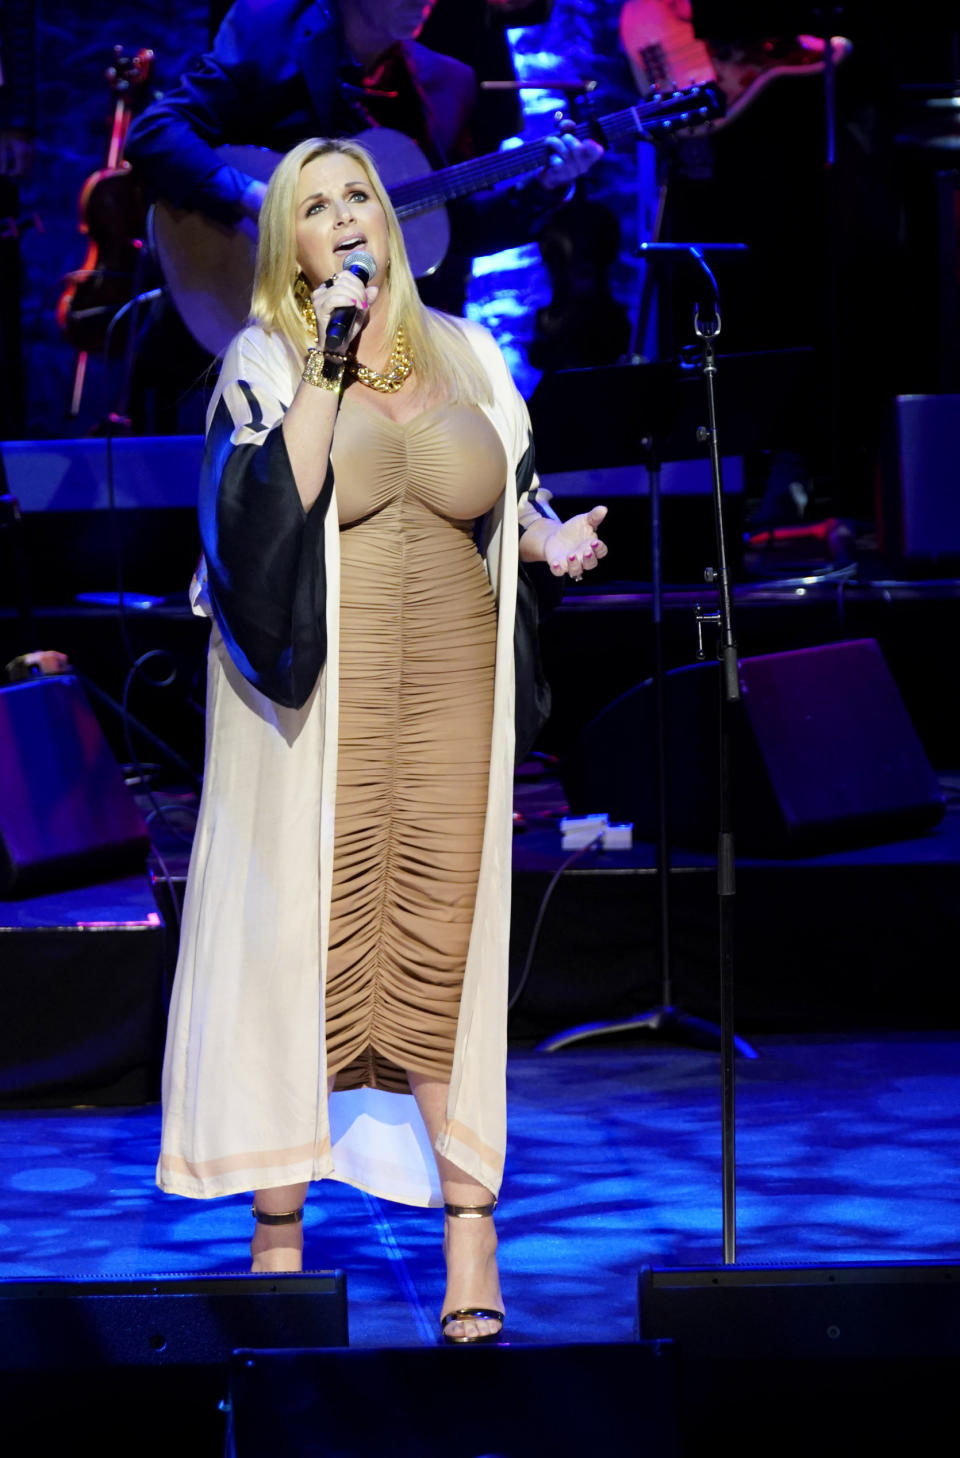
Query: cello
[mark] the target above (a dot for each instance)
(113, 219)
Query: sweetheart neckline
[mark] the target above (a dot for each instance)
(402, 424)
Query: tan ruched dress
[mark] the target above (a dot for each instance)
(417, 643)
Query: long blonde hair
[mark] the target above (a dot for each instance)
(443, 360)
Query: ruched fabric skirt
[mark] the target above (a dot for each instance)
(418, 637)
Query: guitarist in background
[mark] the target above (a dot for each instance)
(283, 70)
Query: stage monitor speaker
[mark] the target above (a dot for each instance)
(918, 507)
(161, 1321)
(795, 1360)
(141, 1365)
(824, 755)
(499, 1401)
(66, 815)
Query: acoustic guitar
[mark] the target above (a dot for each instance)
(208, 266)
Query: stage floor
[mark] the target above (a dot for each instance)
(848, 1150)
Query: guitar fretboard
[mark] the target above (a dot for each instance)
(687, 108)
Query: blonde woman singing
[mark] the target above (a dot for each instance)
(372, 526)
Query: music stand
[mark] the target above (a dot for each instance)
(648, 424)
(652, 425)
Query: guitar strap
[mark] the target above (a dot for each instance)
(447, 92)
(385, 96)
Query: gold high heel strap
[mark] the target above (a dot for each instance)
(289, 1217)
(470, 1212)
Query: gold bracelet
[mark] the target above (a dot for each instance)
(323, 370)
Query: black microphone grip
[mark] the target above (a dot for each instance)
(340, 322)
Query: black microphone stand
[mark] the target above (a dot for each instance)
(706, 325)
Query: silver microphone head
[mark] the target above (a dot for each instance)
(361, 263)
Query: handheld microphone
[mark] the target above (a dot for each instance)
(338, 327)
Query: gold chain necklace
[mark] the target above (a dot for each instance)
(399, 368)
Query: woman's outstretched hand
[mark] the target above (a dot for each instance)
(573, 546)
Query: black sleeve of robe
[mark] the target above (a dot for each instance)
(538, 593)
(265, 560)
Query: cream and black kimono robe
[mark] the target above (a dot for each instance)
(244, 1082)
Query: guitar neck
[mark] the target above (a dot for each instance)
(464, 178)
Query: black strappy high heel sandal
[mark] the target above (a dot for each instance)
(471, 1313)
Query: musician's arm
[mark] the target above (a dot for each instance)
(230, 95)
(501, 218)
(172, 143)
(512, 214)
